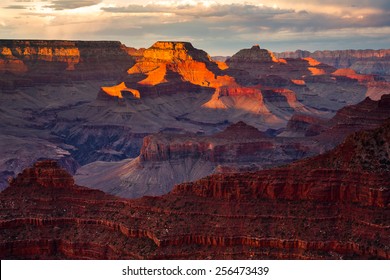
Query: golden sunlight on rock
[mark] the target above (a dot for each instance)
(299, 82)
(316, 71)
(117, 90)
(312, 61)
(155, 76)
(350, 73)
(6, 51)
(282, 61)
(222, 65)
(169, 51)
(193, 65)
(243, 98)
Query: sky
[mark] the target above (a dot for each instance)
(220, 27)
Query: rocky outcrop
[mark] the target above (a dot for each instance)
(363, 151)
(303, 125)
(367, 114)
(239, 143)
(351, 74)
(167, 159)
(309, 210)
(173, 64)
(45, 174)
(362, 61)
(255, 65)
(31, 62)
(252, 55)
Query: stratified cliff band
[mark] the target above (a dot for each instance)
(329, 207)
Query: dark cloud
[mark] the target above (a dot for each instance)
(216, 10)
(135, 9)
(71, 4)
(380, 4)
(16, 7)
(230, 27)
(252, 16)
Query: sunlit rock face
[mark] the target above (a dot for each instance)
(334, 206)
(193, 65)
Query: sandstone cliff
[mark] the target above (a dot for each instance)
(31, 62)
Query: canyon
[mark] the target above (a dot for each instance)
(167, 159)
(338, 208)
(94, 102)
(107, 151)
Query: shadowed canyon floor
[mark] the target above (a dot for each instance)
(337, 208)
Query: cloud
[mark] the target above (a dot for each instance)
(214, 26)
(251, 17)
(16, 7)
(198, 10)
(71, 4)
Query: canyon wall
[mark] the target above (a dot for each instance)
(30, 62)
(329, 207)
(362, 61)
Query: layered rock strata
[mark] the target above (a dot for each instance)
(315, 209)
(362, 61)
(167, 159)
(31, 62)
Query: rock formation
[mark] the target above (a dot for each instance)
(334, 206)
(31, 62)
(174, 63)
(362, 61)
(167, 159)
(49, 107)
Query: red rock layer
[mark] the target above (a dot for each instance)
(171, 65)
(238, 143)
(298, 212)
(304, 125)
